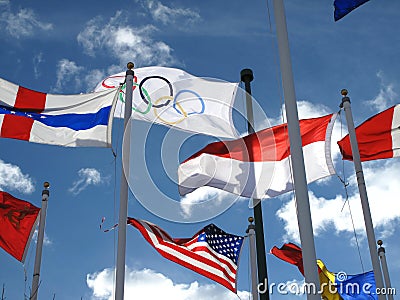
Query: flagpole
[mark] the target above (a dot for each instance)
(385, 270)
(253, 263)
(297, 158)
(246, 75)
(123, 206)
(39, 243)
(363, 192)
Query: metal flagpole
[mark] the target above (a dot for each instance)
(39, 243)
(297, 159)
(385, 270)
(363, 192)
(253, 263)
(123, 202)
(246, 75)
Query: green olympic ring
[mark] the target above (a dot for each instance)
(149, 104)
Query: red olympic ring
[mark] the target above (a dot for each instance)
(117, 76)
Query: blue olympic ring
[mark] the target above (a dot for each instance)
(194, 93)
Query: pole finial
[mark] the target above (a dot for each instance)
(46, 185)
(251, 219)
(130, 65)
(379, 242)
(246, 75)
(344, 92)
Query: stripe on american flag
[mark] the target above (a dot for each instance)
(191, 253)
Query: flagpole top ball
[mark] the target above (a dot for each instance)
(379, 242)
(251, 219)
(344, 92)
(130, 65)
(46, 185)
(246, 75)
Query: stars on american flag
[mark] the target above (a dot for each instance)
(221, 242)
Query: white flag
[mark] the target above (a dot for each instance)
(175, 98)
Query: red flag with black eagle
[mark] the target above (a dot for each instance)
(17, 223)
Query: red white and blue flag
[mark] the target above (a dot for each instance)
(64, 120)
(211, 252)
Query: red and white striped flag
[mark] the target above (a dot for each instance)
(211, 252)
(378, 137)
(258, 165)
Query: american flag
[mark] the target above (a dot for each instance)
(211, 252)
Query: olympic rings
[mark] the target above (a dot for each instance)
(161, 102)
(158, 77)
(194, 93)
(169, 122)
(133, 108)
(113, 79)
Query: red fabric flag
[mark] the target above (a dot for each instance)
(211, 252)
(258, 165)
(290, 253)
(377, 138)
(17, 220)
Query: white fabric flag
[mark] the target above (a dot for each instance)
(175, 98)
(258, 165)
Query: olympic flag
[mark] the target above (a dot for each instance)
(175, 98)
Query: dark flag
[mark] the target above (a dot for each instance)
(343, 7)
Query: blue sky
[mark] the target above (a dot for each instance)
(67, 49)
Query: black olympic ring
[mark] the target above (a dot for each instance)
(171, 92)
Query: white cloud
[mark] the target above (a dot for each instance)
(386, 96)
(383, 189)
(305, 110)
(37, 60)
(94, 77)
(87, 176)
(125, 42)
(23, 23)
(70, 74)
(46, 240)
(68, 71)
(12, 178)
(139, 284)
(214, 198)
(168, 15)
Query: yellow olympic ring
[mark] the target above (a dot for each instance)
(185, 115)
